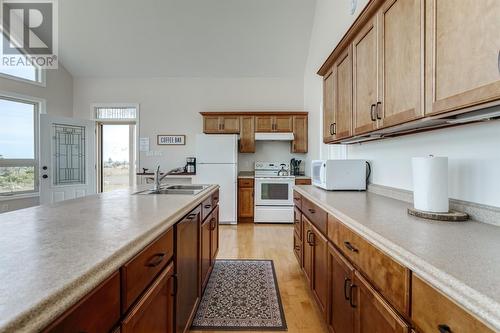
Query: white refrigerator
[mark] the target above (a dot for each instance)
(217, 163)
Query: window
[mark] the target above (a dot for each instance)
(116, 113)
(18, 142)
(27, 73)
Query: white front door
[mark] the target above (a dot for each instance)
(67, 158)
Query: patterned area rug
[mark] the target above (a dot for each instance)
(241, 295)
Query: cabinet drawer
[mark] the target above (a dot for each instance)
(141, 270)
(389, 278)
(297, 200)
(431, 311)
(316, 215)
(206, 207)
(97, 312)
(297, 222)
(245, 182)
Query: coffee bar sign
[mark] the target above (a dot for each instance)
(171, 140)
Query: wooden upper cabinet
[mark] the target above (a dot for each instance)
(401, 62)
(283, 123)
(365, 80)
(463, 54)
(373, 314)
(343, 96)
(299, 144)
(211, 124)
(328, 107)
(274, 123)
(264, 123)
(229, 124)
(247, 134)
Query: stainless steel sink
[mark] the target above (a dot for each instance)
(177, 189)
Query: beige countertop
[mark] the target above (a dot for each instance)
(460, 259)
(51, 256)
(251, 174)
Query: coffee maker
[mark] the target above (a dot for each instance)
(190, 165)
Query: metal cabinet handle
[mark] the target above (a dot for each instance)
(212, 223)
(191, 216)
(312, 211)
(351, 298)
(347, 283)
(444, 328)
(335, 128)
(350, 247)
(156, 260)
(332, 132)
(372, 112)
(312, 238)
(379, 116)
(207, 206)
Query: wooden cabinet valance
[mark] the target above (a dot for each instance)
(380, 75)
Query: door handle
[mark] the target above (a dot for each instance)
(379, 116)
(351, 298)
(372, 112)
(347, 282)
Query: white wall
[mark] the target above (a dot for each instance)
(172, 105)
(58, 94)
(473, 149)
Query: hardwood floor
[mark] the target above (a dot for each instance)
(250, 241)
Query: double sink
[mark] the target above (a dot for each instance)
(176, 189)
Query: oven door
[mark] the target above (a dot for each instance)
(274, 191)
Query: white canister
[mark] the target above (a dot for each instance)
(430, 184)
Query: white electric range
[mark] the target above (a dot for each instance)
(273, 193)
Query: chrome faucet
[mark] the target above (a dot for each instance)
(158, 179)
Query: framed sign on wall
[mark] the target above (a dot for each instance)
(171, 140)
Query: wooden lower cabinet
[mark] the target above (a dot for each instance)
(187, 263)
(319, 282)
(155, 309)
(341, 276)
(372, 313)
(245, 200)
(206, 255)
(307, 250)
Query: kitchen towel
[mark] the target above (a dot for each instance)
(430, 184)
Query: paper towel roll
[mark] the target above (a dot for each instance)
(430, 184)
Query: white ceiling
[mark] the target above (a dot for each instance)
(188, 38)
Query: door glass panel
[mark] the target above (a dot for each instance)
(69, 154)
(116, 164)
(272, 191)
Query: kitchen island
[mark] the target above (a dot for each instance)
(53, 256)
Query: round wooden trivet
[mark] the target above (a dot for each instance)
(451, 216)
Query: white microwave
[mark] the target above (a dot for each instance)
(340, 175)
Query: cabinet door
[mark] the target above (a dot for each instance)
(214, 247)
(297, 222)
(230, 124)
(341, 274)
(206, 231)
(247, 134)
(307, 249)
(365, 82)
(283, 124)
(211, 124)
(373, 314)
(154, 311)
(245, 202)
(319, 285)
(264, 124)
(343, 96)
(187, 263)
(401, 61)
(463, 65)
(328, 107)
(299, 144)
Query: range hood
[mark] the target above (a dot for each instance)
(273, 136)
